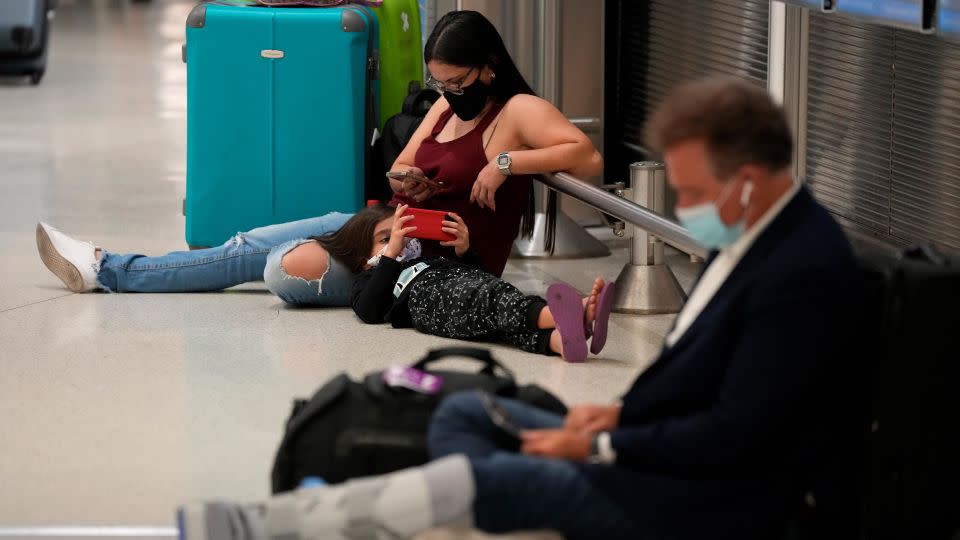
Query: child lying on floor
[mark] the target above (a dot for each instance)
(458, 299)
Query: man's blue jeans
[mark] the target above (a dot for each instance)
(251, 256)
(515, 491)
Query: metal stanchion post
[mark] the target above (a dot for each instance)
(646, 285)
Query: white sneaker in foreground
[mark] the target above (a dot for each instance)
(73, 261)
(219, 521)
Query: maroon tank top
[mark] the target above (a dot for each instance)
(457, 164)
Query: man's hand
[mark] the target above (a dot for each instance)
(557, 443)
(458, 228)
(398, 232)
(592, 419)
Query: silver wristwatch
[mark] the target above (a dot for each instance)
(503, 163)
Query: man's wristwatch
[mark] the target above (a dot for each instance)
(601, 449)
(503, 163)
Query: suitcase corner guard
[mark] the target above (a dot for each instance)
(198, 16)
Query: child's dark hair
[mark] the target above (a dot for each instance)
(352, 244)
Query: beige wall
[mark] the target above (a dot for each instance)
(581, 88)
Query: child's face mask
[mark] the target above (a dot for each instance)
(411, 250)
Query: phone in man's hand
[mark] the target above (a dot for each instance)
(499, 415)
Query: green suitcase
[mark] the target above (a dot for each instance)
(401, 53)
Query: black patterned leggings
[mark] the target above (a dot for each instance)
(467, 303)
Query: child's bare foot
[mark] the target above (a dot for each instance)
(589, 314)
(556, 342)
(573, 317)
(600, 316)
(590, 305)
(546, 320)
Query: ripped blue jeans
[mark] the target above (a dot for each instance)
(251, 256)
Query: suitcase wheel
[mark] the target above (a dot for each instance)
(36, 77)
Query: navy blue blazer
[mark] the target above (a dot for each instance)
(718, 437)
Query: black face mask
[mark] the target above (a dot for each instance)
(469, 104)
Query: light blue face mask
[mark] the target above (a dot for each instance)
(704, 224)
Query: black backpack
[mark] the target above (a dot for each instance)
(397, 131)
(350, 429)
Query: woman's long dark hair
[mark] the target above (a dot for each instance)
(352, 244)
(467, 38)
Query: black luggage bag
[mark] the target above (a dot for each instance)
(350, 429)
(898, 476)
(912, 479)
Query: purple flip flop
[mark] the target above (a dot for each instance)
(604, 305)
(566, 306)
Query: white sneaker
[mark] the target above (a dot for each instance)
(73, 261)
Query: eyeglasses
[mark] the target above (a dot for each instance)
(455, 89)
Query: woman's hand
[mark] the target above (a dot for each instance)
(398, 232)
(485, 187)
(411, 187)
(556, 443)
(592, 418)
(458, 228)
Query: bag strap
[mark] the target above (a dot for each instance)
(371, 123)
(490, 364)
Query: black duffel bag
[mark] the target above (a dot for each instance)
(350, 429)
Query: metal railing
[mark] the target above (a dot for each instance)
(667, 230)
(646, 284)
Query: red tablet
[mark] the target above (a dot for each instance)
(429, 224)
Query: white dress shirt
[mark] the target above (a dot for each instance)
(721, 268)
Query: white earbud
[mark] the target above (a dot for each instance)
(745, 194)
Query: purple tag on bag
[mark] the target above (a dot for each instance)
(413, 379)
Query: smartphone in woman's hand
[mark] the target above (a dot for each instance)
(411, 176)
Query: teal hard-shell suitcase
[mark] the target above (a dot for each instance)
(281, 104)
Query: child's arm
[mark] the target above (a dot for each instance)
(461, 246)
(372, 295)
(454, 224)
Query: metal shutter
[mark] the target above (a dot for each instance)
(926, 140)
(881, 143)
(849, 121)
(687, 39)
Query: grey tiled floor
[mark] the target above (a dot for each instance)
(114, 408)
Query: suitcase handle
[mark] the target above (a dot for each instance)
(490, 364)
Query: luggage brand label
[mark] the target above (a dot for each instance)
(270, 53)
